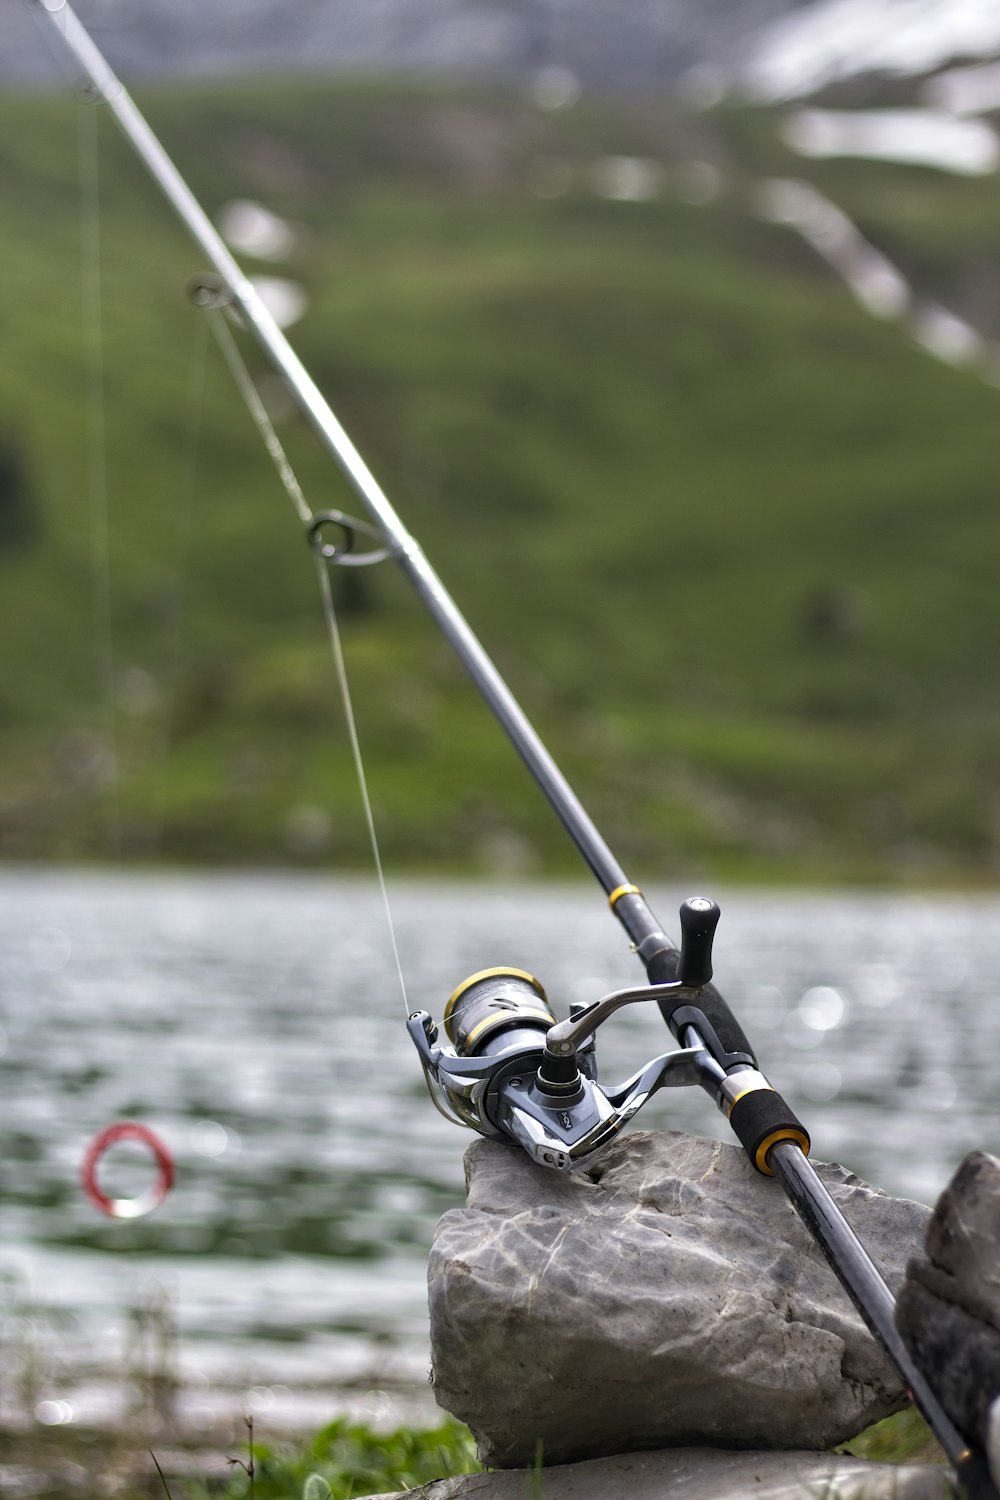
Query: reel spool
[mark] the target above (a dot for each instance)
(496, 1010)
(492, 1014)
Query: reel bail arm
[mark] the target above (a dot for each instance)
(699, 918)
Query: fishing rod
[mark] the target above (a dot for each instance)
(507, 1067)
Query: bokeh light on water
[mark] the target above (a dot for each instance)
(256, 1023)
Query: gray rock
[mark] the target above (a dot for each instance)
(963, 1236)
(670, 1295)
(703, 1474)
(948, 1311)
(959, 1354)
(993, 1441)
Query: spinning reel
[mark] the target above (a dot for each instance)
(509, 1068)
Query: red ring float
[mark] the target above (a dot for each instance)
(128, 1208)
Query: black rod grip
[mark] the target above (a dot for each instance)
(761, 1119)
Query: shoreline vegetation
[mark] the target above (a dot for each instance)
(348, 1460)
(344, 1460)
(747, 872)
(153, 1451)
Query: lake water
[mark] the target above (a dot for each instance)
(256, 1023)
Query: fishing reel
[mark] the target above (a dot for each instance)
(509, 1068)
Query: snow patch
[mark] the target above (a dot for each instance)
(252, 229)
(285, 300)
(916, 136)
(966, 91)
(627, 179)
(834, 39)
(874, 281)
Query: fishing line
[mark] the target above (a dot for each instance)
(337, 650)
(258, 411)
(92, 311)
(265, 427)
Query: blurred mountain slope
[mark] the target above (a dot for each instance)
(733, 540)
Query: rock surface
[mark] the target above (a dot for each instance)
(962, 1231)
(669, 1295)
(703, 1474)
(948, 1311)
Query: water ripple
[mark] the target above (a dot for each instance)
(254, 1022)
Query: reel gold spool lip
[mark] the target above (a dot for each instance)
(504, 971)
(503, 1018)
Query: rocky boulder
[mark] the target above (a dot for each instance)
(948, 1311)
(703, 1474)
(669, 1295)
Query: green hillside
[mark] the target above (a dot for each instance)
(731, 541)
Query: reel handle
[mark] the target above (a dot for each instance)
(699, 919)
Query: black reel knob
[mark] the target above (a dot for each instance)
(699, 919)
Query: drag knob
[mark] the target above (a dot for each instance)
(699, 919)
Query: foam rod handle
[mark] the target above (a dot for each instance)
(761, 1119)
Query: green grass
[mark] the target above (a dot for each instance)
(347, 1460)
(901, 1439)
(343, 1461)
(731, 541)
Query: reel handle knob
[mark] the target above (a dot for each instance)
(699, 919)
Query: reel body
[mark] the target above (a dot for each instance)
(496, 1075)
(508, 1068)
